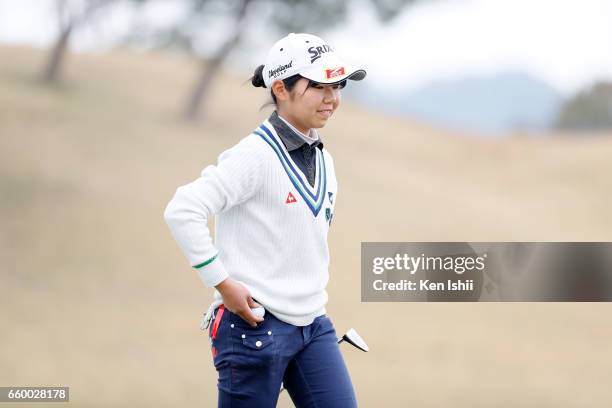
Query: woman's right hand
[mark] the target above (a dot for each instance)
(238, 300)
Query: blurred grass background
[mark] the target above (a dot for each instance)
(95, 294)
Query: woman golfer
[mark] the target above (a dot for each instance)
(273, 196)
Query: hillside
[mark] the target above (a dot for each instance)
(96, 295)
(491, 105)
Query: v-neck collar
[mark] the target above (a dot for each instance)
(314, 196)
(313, 190)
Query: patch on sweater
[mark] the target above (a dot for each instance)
(290, 199)
(328, 215)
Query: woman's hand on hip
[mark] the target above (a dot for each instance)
(238, 300)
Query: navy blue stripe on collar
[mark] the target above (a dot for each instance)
(286, 159)
(314, 202)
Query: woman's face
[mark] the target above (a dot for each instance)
(310, 107)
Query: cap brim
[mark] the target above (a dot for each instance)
(357, 75)
(334, 75)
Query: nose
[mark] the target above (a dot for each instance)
(330, 95)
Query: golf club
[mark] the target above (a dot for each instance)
(353, 338)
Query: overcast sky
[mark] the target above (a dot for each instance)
(568, 42)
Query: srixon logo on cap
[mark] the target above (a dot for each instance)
(315, 52)
(273, 73)
(332, 73)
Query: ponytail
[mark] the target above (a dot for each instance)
(257, 79)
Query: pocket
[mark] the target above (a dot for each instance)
(254, 338)
(254, 351)
(257, 341)
(253, 355)
(254, 348)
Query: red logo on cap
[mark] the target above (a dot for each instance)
(331, 73)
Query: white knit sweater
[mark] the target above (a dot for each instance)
(271, 225)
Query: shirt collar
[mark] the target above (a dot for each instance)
(291, 138)
(312, 134)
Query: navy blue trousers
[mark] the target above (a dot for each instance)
(253, 363)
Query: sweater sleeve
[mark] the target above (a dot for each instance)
(235, 178)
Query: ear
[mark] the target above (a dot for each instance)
(280, 91)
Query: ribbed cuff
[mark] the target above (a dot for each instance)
(212, 272)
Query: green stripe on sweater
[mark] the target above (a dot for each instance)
(205, 262)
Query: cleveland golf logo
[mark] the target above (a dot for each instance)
(331, 73)
(315, 52)
(273, 73)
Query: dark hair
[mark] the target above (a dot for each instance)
(257, 78)
(258, 81)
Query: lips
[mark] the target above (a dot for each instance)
(325, 113)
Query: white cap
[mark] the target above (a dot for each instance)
(309, 56)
